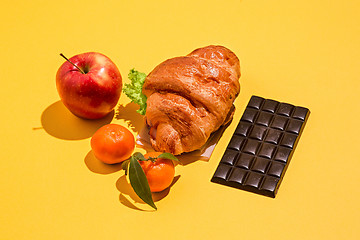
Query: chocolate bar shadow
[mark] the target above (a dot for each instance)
(129, 198)
(59, 122)
(96, 166)
(128, 113)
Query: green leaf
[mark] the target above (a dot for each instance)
(134, 89)
(168, 156)
(138, 156)
(139, 182)
(125, 166)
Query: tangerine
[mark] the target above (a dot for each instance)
(112, 143)
(159, 173)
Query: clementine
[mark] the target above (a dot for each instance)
(112, 143)
(159, 172)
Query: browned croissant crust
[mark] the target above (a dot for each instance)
(190, 97)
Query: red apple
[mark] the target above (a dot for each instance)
(89, 85)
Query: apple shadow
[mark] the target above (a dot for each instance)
(96, 166)
(134, 120)
(129, 198)
(59, 122)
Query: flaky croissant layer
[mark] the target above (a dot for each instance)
(190, 97)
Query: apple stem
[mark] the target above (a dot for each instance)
(72, 63)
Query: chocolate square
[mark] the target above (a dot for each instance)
(245, 160)
(269, 186)
(282, 154)
(267, 150)
(253, 179)
(285, 109)
(273, 136)
(294, 126)
(236, 142)
(264, 118)
(250, 115)
(258, 132)
(279, 122)
(276, 169)
(300, 113)
(230, 156)
(251, 146)
(270, 105)
(255, 102)
(237, 175)
(260, 165)
(243, 128)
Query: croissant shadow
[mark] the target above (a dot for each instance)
(59, 122)
(129, 198)
(128, 113)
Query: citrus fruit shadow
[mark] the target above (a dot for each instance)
(59, 122)
(129, 198)
(157, 196)
(96, 166)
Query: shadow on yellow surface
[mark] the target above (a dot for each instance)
(129, 198)
(96, 166)
(59, 122)
(134, 120)
(188, 158)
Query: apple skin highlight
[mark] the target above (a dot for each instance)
(94, 93)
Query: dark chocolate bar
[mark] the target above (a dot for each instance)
(261, 147)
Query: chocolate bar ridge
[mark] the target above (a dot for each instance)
(262, 146)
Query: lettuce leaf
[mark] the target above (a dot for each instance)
(134, 89)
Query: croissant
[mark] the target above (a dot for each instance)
(190, 97)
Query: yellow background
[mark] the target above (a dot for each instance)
(302, 52)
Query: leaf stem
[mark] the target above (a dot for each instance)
(72, 63)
